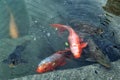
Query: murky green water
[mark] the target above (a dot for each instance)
(33, 19)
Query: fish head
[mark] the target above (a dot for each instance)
(44, 67)
(103, 60)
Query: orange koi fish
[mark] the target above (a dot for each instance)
(53, 61)
(76, 43)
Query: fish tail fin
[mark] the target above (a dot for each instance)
(63, 51)
(67, 53)
(60, 27)
(67, 49)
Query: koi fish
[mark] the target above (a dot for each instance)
(96, 55)
(13, 27)
(15, 57)
(53, 61)
(76, 43)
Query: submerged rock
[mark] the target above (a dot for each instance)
(91, 72)
(15, 57)
(113, 6)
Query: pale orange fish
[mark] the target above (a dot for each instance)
(12, 27)
(76, 43)
(53, 61)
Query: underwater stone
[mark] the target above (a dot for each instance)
(82, 73)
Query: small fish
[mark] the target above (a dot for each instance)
(53, 61)
(96, 55)
(76, 43)
(15, 57)
(13, 27)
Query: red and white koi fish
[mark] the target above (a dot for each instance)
(53, 61)
(76, 43)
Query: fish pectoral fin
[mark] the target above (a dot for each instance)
(84, 44)
(91, 60)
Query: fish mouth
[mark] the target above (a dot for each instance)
(40, 70)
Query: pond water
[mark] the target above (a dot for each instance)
(33, 19)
